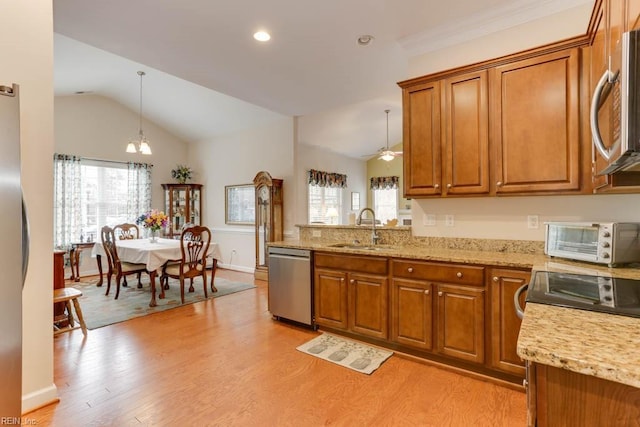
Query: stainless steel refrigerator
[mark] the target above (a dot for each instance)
(13, 259)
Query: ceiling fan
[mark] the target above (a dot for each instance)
(384, 153)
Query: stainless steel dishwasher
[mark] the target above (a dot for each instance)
(290, 293)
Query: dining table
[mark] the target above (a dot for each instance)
(153, 255)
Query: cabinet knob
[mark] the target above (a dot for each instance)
(459, 274)
(448, 185)
(342, 279)
(426, 292)
(495, 279)
(352, 281)
(439, 293)
(410, 269)
(436, 186)
(499, 183)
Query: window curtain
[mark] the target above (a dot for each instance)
(327, 179)
(139, 181)
(384, 182)
(67, 211)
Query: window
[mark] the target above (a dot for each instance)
(385, 197)
(325, 196)
(89, 194)
(323, 202)
(385, 204)
(104, 198)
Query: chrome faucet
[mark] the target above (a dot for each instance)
(374, 235)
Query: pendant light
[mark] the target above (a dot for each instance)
(139, 144)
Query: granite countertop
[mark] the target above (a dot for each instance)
(598, 344)
(425, 253)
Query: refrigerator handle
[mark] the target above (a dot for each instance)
(25, 241)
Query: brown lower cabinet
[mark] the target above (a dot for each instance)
(351, 293)
(558, 397)
(457, 313)
(505, 325)
(460, 322)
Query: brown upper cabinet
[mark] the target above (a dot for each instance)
(535, 124)
(446, 141)
(507, 126)
(518, 124)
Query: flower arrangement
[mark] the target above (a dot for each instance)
(182, 173)
(153, 220)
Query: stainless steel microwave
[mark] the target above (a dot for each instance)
(611, 243)
(621, 81)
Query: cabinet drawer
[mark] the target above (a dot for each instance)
(448, 273)
(371, 265)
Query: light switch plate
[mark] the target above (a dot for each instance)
(532, 221)
(429, 220)
(448, 220)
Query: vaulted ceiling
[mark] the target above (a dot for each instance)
(207, 76)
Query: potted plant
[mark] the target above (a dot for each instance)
(182, 173)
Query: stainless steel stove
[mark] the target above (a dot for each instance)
(585, 292)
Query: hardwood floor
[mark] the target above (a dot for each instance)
(225, 362)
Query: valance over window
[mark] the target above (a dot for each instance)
(384, 182)
(327, 179)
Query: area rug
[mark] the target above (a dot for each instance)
(344, 352)
(101, 310)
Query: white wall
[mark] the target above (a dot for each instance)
(26, 43)
(506, 217)
(236, 159)
(311, 157)
(97, 127)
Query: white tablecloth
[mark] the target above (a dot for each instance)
(153, 255)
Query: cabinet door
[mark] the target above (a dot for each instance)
(535, 124)
(466, 134)
(330, 298)
(421, 140)
(412, 313)
(633, 15)
(368, 296)
(505, 325)
(460, 322)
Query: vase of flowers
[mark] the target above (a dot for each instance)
(182, 173)
(153, 220)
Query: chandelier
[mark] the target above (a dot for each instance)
(139, 144)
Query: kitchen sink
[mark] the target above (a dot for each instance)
(358, 246)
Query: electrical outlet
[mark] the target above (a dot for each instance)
(316, 233)
(532, 221)
(429, 220)
(448, 220)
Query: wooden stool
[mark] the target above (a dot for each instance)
(66, 296)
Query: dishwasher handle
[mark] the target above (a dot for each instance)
(516, 300)
(293, 257)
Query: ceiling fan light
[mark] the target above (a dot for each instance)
(386, 156)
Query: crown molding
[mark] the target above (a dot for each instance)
(498, 19)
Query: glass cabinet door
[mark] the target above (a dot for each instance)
(183, 204)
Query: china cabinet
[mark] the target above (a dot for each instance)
(268, 219)
(183, 204)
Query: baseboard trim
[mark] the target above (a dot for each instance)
(39, 398)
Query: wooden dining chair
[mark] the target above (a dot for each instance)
(194, 245)
(116, 267)
(128, 232)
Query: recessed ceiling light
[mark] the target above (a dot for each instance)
(262, 36)
(365, 40)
